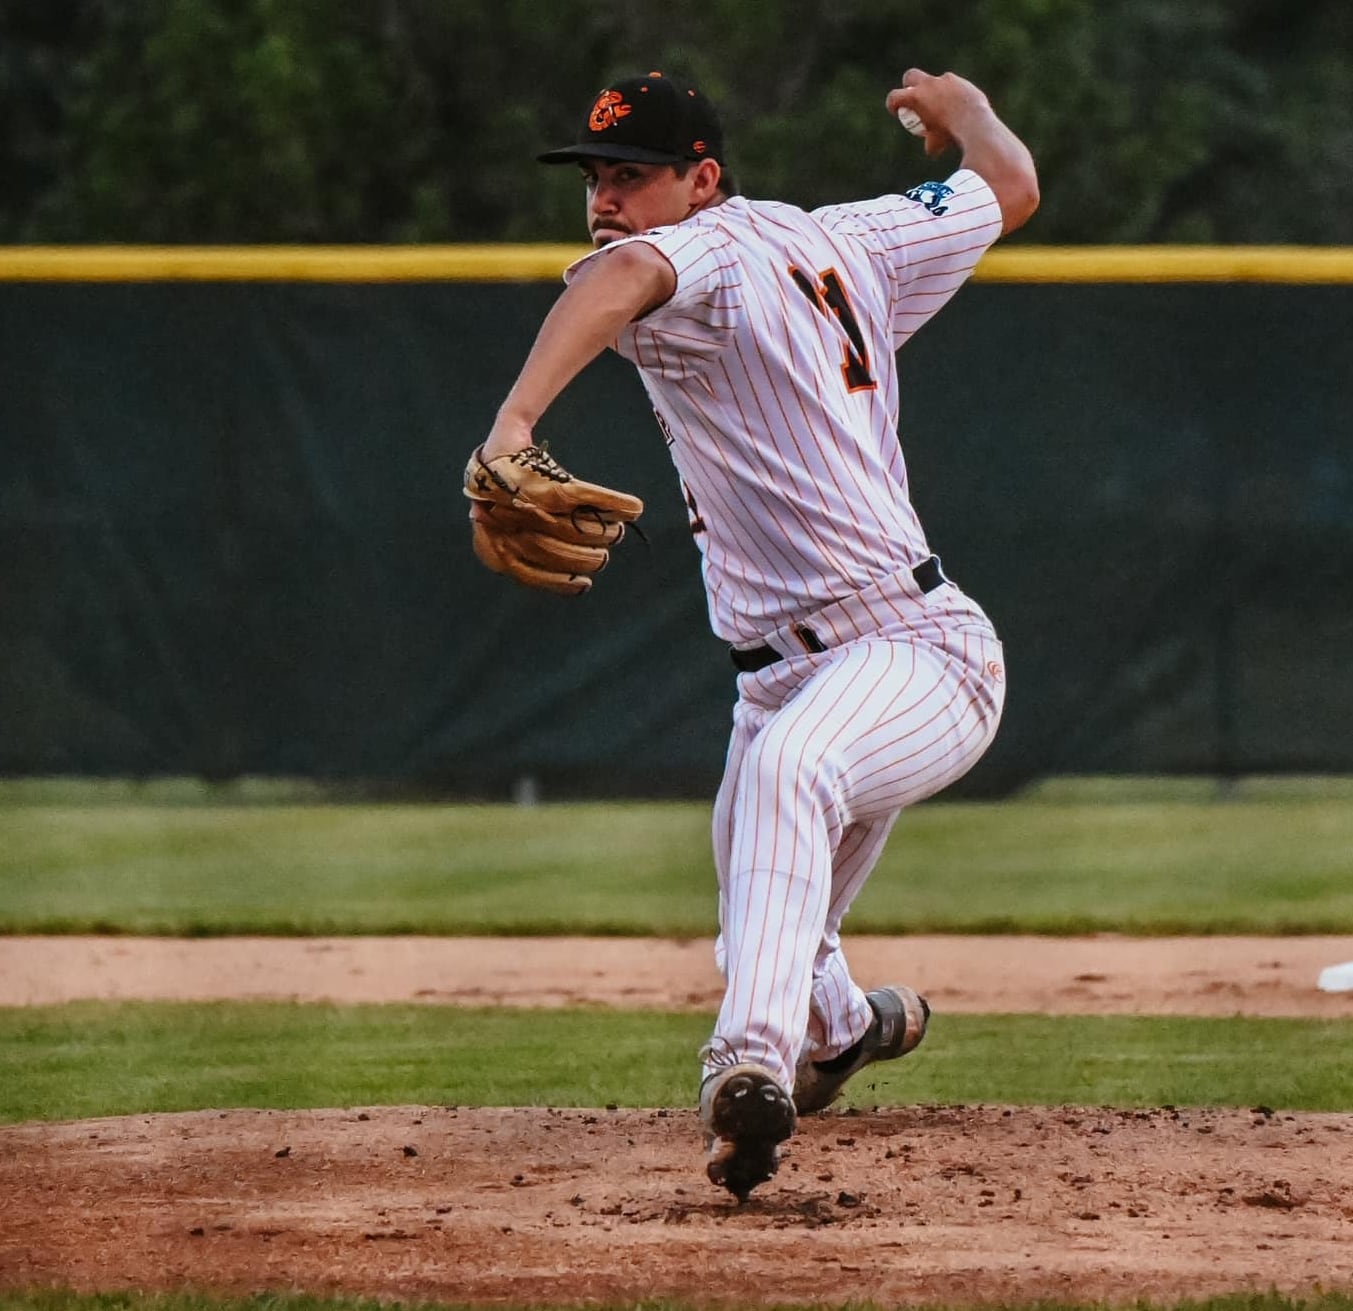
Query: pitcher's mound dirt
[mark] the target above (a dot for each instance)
(899, 1206)
(925, 1204)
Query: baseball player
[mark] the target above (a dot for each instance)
(867, 680)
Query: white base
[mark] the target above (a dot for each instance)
(1336, 978)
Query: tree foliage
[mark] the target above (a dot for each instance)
(418, 120)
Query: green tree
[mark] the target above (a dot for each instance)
(40, 43)
(202, 120)
(417, 120)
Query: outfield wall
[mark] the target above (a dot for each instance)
(232, 539)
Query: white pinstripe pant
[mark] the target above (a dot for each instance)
(827, 749)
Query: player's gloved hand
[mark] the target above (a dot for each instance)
(535, 522)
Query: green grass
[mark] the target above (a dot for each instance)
(91, 1059)
(1133, 856)
(354, 869)
(56, 1300)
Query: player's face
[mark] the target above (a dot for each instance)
(624, 198)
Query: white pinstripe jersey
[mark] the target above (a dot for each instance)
(773, 375)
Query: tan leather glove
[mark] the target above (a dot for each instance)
(535, 522)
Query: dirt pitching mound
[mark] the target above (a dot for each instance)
(901, 1206)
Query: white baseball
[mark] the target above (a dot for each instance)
(911, 120)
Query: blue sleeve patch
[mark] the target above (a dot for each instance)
(932, 195)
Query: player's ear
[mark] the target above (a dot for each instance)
(706, 177)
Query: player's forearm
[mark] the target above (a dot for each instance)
(954, 111)
(605, 296)
(1003, 162)
(584, 321)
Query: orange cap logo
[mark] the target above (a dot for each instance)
(608, 111)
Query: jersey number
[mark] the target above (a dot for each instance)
(829, 297)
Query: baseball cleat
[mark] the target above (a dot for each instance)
(747, 1115)
(900, 1019)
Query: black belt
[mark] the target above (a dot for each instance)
(928, 575)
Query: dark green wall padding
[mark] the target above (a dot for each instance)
(232, 539)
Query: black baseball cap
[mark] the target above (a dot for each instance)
(649, 120)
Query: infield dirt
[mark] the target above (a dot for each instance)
(904, 1206)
